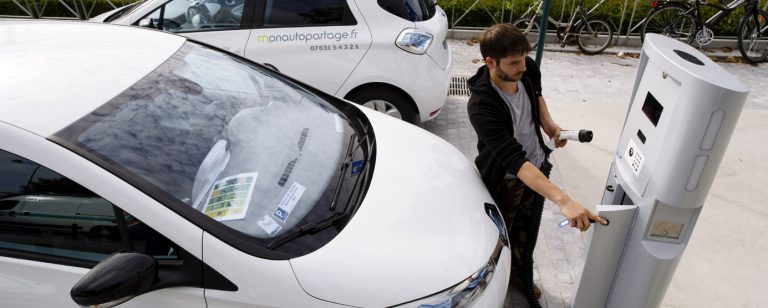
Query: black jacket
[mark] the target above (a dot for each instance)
(499, 151)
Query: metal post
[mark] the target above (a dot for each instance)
(542, 31)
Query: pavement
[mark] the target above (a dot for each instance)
(723, 263)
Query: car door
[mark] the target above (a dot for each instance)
(221, 23)
(319, 42)
(39, 266)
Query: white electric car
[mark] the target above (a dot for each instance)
(389, 55)
(225, 184)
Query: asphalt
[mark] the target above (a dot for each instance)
(723, 263)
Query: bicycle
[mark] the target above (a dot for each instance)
(753, 34)
(684, 21)
(530, 23)
(592, 35)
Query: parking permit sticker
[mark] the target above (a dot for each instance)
(230, 197)
(285, 207)
(269, 225)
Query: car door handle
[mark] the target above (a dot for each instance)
(25, 213)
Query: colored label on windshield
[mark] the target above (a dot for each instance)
(230, 197)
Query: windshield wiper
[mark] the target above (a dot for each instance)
(343, 171)
(310, 228)
(348, 161)
(314, 227)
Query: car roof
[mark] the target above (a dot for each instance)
(52, 73)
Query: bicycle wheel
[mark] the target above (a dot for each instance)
(753, 37)
(672, 21)
(594, 36)
(522, 24)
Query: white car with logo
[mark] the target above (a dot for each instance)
(388, 55)
(224, 184)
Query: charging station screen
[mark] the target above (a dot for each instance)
(652, 109)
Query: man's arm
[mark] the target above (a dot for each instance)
(572, 210)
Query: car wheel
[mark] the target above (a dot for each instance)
(389, 102)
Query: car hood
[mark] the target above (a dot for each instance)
(421, 228)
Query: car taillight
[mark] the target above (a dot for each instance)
(655, 4)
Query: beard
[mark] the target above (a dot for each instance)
(508, 78)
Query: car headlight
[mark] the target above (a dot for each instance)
(414, 41)
(465, 292)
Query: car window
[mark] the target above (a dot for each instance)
(297, 13)
(180, 16)
(48, 215)
(16, 174)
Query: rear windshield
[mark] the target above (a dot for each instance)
(413, 10)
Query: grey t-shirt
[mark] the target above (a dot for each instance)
(522, 119)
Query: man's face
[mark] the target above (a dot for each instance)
(510, 68)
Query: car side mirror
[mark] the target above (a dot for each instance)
(115, 280)
(146, 23)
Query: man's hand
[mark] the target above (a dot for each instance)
(579, 216)
(558, 143)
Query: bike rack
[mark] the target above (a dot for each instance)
(627, 24)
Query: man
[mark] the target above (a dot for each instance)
(507, 111)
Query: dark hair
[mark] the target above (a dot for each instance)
(502, 40)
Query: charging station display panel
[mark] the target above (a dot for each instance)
(652, 109)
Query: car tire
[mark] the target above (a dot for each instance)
(387, 101)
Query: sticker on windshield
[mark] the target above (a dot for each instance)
(269, 225)
(285, 207)
(230, 197)
(357, 166)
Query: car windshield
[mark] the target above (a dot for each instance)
(230, 140)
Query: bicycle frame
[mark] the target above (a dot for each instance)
(695, 10)
(537, 5)
(723, 11)
(580, 11)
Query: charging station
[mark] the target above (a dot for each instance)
(681, 116)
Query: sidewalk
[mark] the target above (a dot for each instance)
(722, 265)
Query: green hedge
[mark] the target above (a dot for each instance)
(54, 8)
(479, 15)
